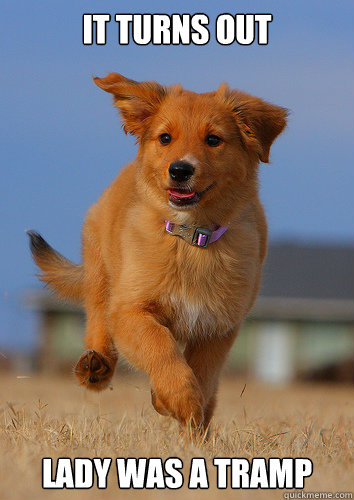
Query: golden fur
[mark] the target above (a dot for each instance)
(172, 309)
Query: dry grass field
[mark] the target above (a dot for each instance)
(54, 418)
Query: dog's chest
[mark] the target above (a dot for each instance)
(191, 317)
(199, 294)
(186, 317)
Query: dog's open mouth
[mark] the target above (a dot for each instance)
(185, 197)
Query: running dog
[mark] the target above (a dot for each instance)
(173, 249)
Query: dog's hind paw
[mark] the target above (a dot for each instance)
(94, 370)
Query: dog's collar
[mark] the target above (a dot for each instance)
(194, 235)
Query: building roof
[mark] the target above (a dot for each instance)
(300, 282)
(304, 271)
(307, 283)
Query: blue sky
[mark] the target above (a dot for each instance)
(61, 142)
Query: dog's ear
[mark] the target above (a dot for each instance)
(136, 101)
(259, 121)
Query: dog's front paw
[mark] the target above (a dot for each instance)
(188, 407)
(94, 370)
(157, 404)
(183, 401)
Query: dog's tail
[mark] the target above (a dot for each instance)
(63, 276)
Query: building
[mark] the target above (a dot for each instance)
(300, 326)
(302, 322)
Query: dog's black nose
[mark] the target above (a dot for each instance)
(181, 171)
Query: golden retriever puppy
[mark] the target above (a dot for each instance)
(173, 249)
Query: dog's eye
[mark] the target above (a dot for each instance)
(212, 140)
(165, 139)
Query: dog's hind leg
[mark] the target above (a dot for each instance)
(96, 365)
(206, 359)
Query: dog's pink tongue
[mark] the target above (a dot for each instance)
(181, 194)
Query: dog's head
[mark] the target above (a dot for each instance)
(198, 153)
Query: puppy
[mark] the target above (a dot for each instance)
(173, 249)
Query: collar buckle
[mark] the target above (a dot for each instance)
(201, 237)
(196, 236)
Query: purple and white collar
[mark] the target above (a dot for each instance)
(194, 235)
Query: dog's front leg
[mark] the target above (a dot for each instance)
(150, 346)
(206, 359)
(96, 365)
